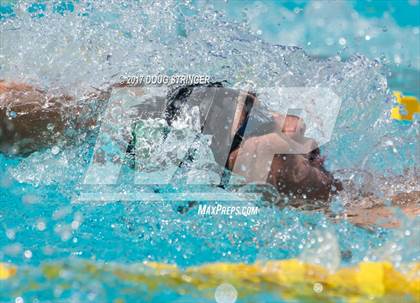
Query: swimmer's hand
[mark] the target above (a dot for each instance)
(291, 126)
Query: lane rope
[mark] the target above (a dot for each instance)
(290, 279)
(407, 108)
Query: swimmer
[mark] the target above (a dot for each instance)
(27, 114)
(244, 133)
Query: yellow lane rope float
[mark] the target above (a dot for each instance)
(409, 105)
(6, 271)
(290, 279)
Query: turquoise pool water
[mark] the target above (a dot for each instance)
(361, 52)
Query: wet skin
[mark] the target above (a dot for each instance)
(32, 119)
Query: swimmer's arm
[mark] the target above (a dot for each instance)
(239, 116)
(26, 113)
(255, 156)
(32, 119)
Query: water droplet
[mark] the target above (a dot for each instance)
(55, 150)
(75, 224)
(225, 293)
(41, 226)
(11, 114)
(10, 234)
(389, 143)
(318, 288)
(27, 254)
(50, 126)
